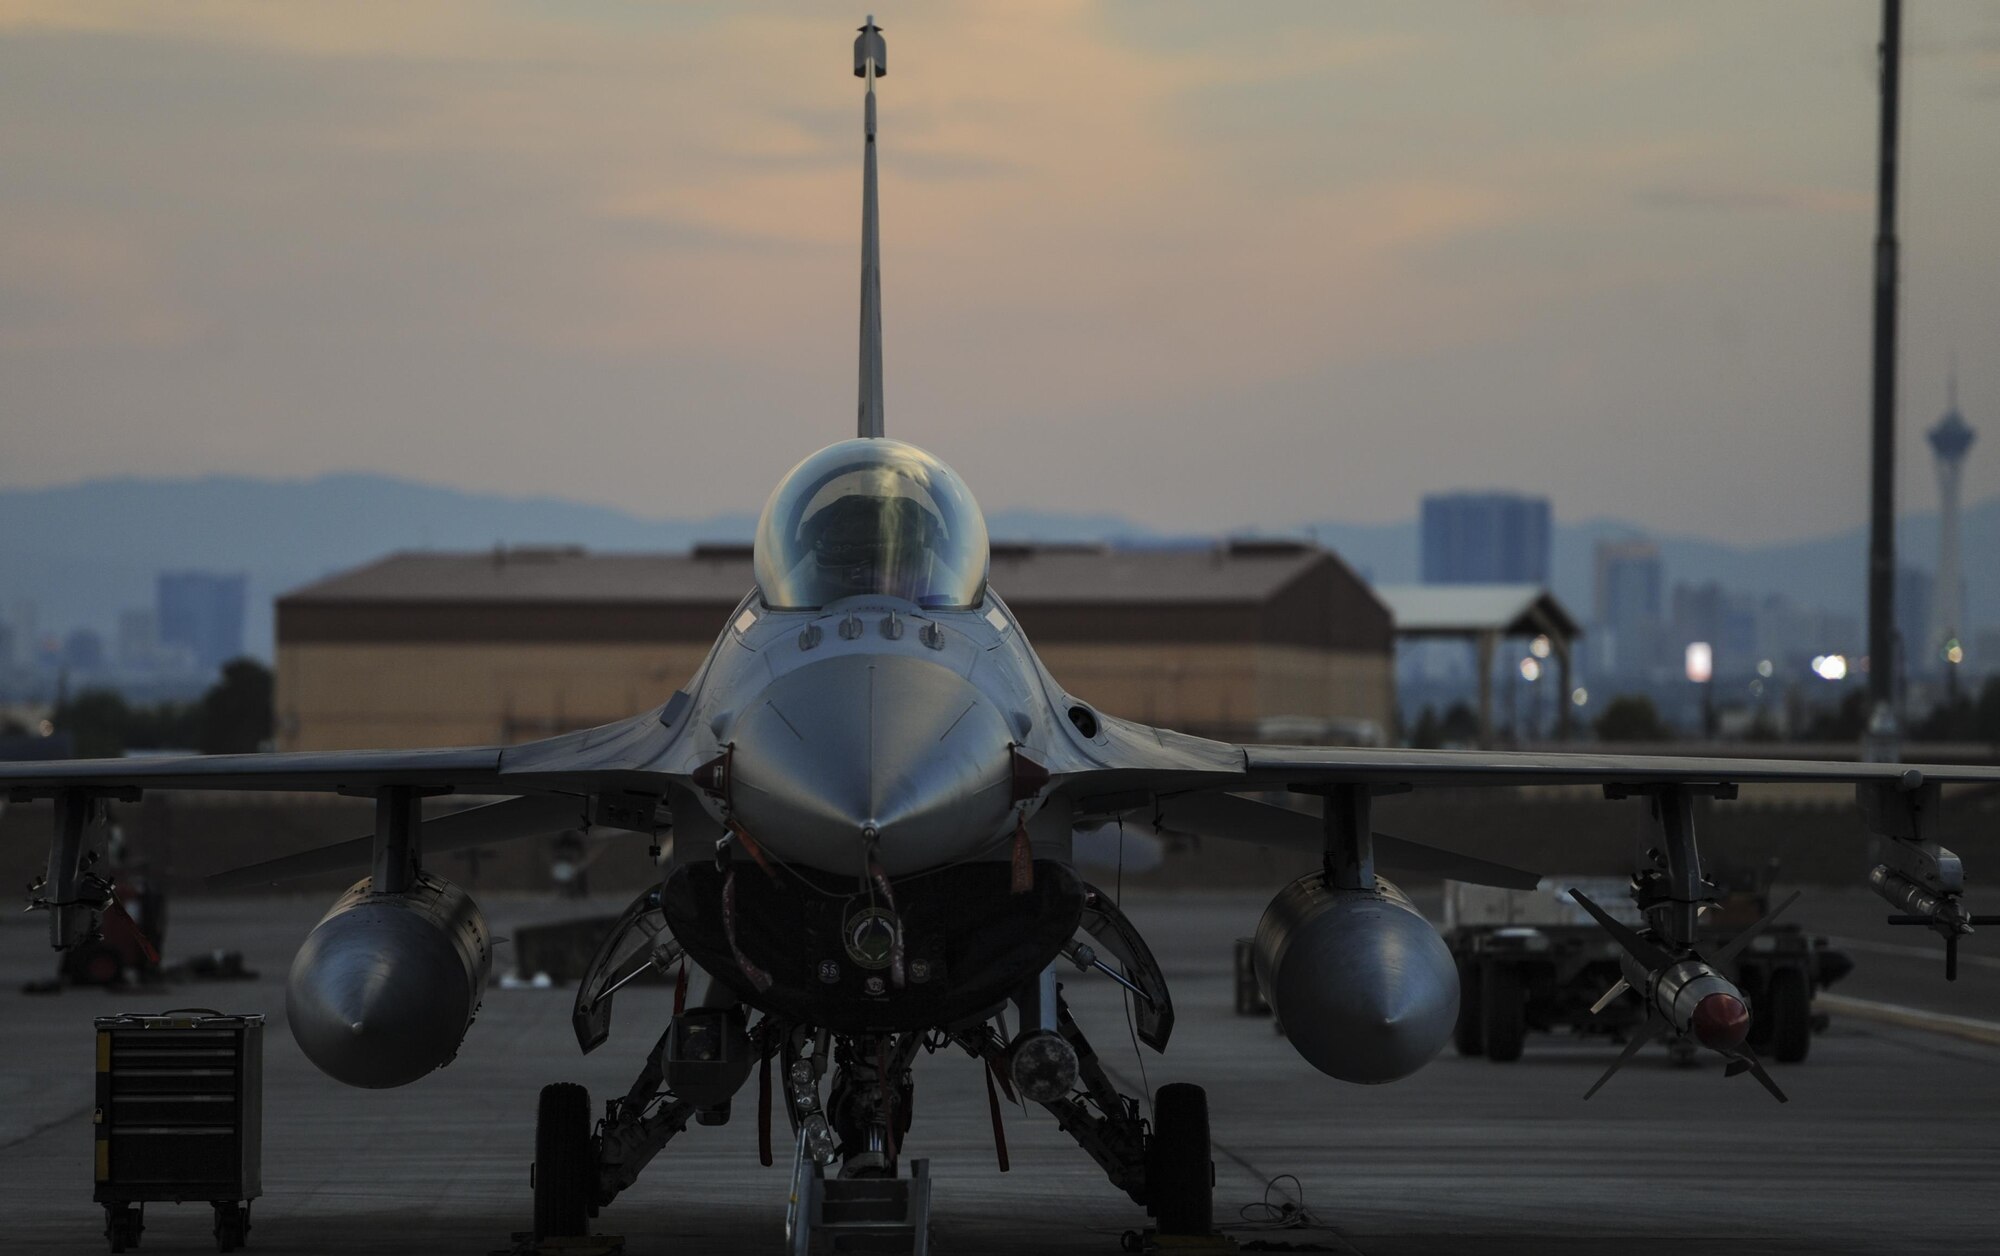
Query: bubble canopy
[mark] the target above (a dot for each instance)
(871, 515)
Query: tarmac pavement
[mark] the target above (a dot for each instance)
(1885, 1146)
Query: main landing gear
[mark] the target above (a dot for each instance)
(847, 1147)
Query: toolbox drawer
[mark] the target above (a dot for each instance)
(179, 1111)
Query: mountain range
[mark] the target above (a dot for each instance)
(82, 552)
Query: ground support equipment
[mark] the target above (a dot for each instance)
(179, 1117)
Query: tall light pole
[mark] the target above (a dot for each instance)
(1883, 731)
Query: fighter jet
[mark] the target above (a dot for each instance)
(870, 790)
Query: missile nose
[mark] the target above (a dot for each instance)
(1721, 1022)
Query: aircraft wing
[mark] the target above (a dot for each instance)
(1133, 758)
(628, 755)
(1330, 765)
(469, 770)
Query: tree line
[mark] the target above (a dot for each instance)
(233, 717)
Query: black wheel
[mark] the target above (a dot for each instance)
(1756, 988)
(1789, 1005)
(232, 1226)
(1469, 1035)
(1503, 1012)
(123, 1223)
(1180, 1176)
(1249, 998)
(565, 1167)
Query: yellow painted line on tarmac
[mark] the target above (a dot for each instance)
(1965, 1027)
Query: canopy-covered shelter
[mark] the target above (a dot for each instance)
(1484, 615)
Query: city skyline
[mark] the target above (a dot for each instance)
(1242, 274)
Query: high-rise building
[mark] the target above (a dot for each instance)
(1627, 606)
(1916, 597)
(83, 650)
(1724, 621)
(26, 619)
(1485, 538)
(203, 612)
(1950, 440)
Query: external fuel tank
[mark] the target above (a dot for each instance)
(1365, 988)
(386, 985)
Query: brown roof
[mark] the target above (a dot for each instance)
(1241, 590)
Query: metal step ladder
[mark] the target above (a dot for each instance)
(859, 1214)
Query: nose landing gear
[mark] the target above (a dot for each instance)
(565, 1168)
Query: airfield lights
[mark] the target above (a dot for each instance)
(1700, 662)
(1579, 696)
(1830, 667)
(1531, 669)
(1539, 647)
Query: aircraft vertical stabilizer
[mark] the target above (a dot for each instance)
(870, 63)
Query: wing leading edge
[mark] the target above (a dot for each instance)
(1138, 758)
(630, 755)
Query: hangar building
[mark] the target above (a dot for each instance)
(426, 649)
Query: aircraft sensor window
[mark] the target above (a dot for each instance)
(871, 515)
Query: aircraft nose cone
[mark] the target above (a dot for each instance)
(1721, 1022)
(899, 744)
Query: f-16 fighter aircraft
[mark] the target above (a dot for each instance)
(872, 784)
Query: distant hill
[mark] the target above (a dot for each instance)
(83, 552)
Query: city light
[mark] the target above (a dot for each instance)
(1765, 667)
(1579, 695)
(1830, 667)
(1530, 669)
(1954, 653)
(1539, 647)
(1700, 662)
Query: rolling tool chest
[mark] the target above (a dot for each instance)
(179, 1117)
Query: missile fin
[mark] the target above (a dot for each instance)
(1741, 940)
(1604, 1001)
(1749, 1063)
(1639, 1040)
(1650, 957)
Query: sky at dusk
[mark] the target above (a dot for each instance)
(1204, 266)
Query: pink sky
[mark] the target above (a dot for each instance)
(1202, 266)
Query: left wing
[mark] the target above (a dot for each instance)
(1134, 758)
(1175, 779)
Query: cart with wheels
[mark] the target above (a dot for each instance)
(179, 1118)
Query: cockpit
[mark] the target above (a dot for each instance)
(871, 515)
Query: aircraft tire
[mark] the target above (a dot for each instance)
(1790, 1001)
(1469, 1034)
(564, 1165)
(1504, 1013)
(1180, 1176)
(1757, 989)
